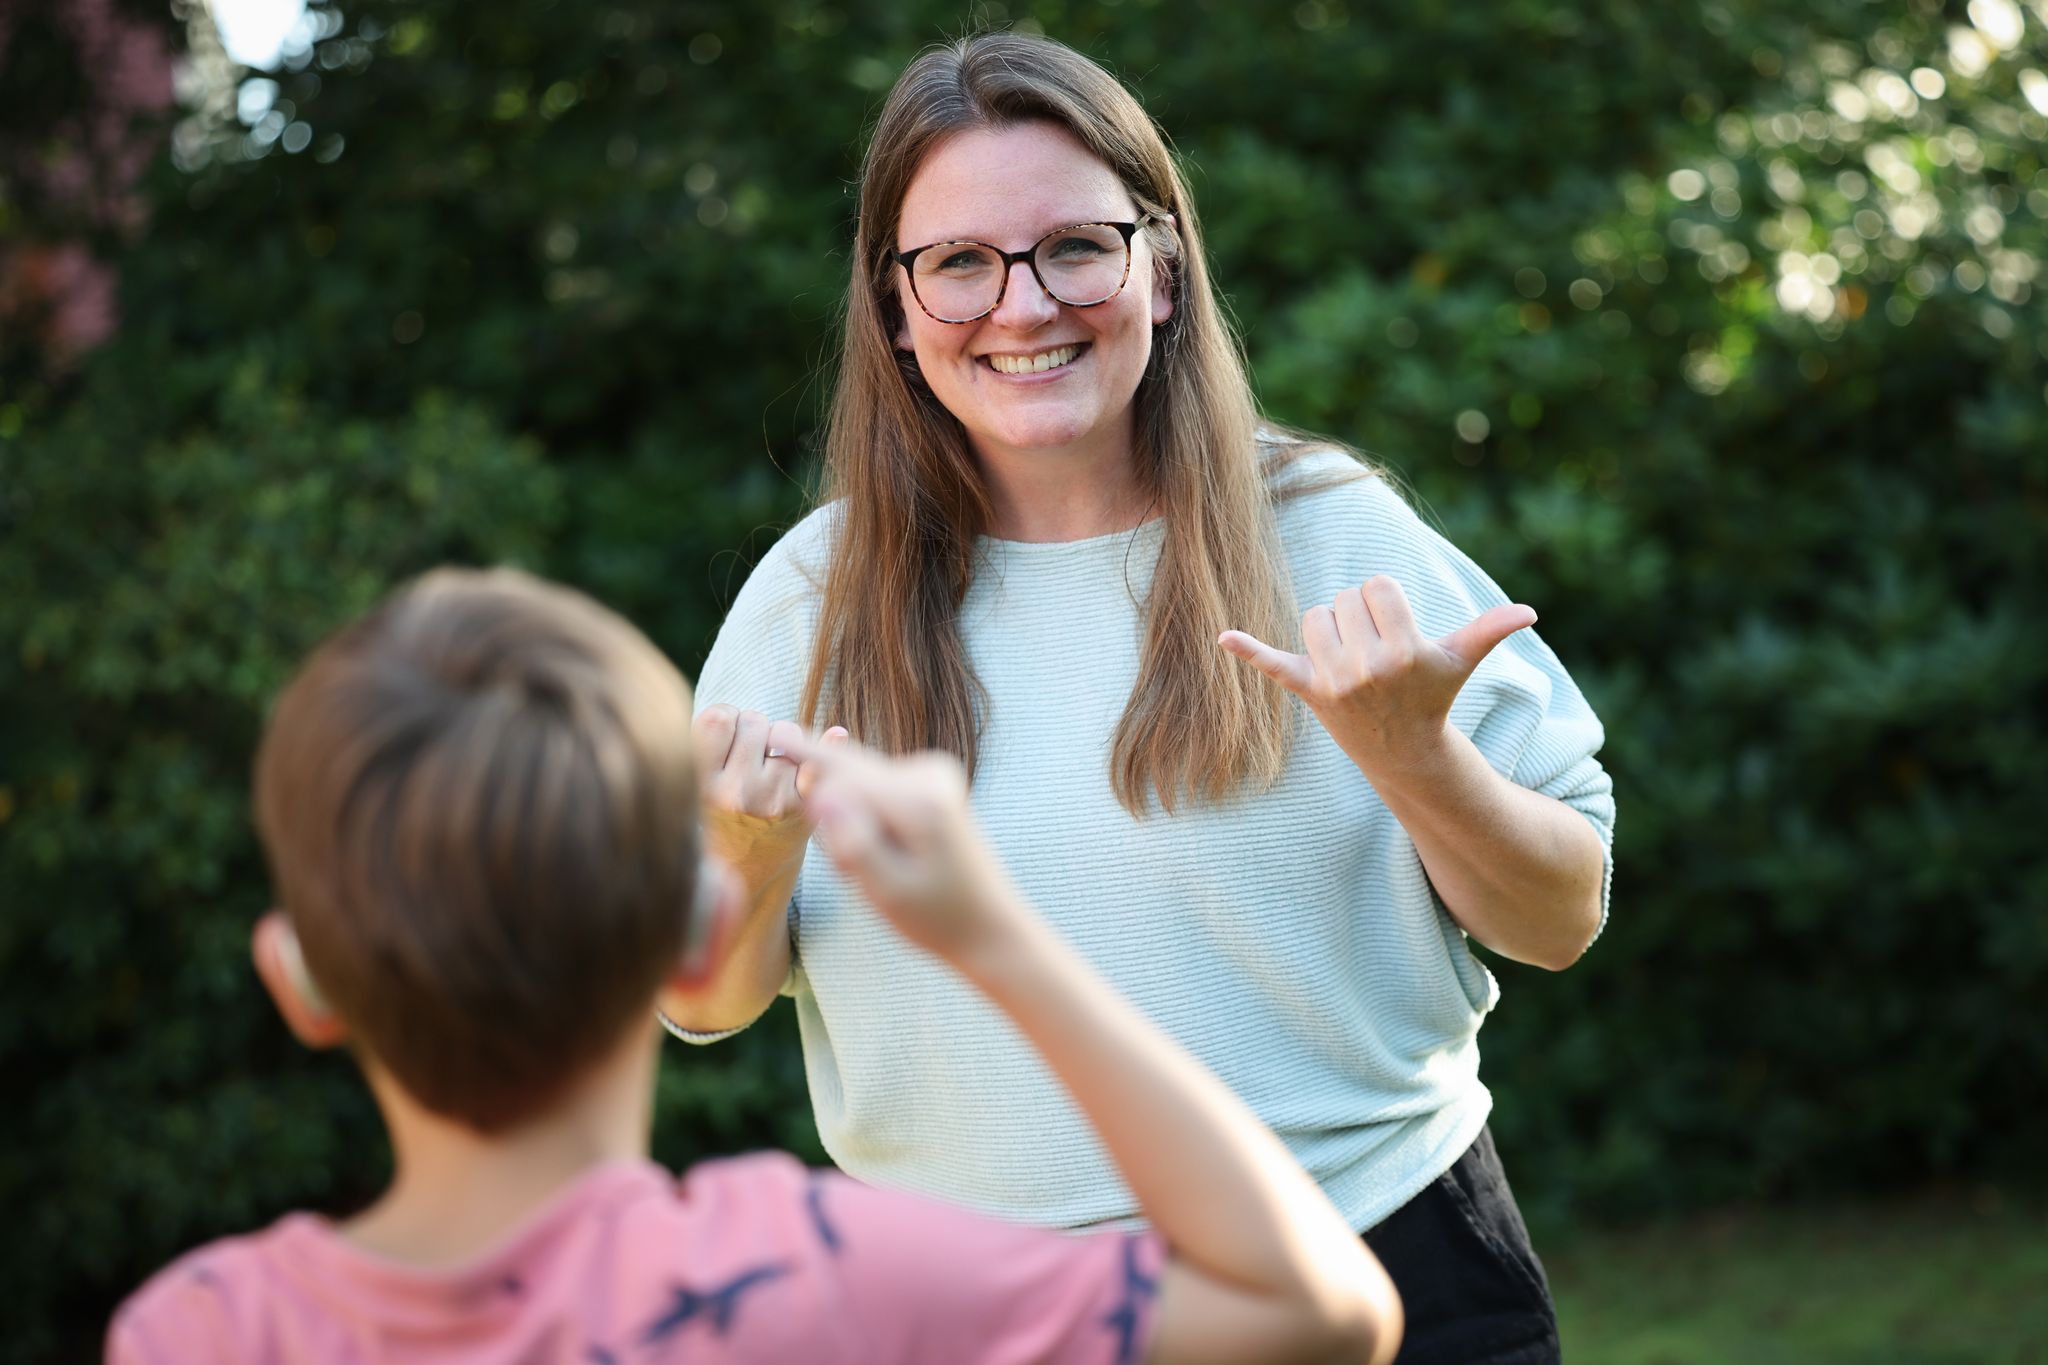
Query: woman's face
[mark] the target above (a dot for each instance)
(1008, 187)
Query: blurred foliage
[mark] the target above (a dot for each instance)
(1711, 331)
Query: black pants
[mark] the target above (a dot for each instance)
(1471, 1286)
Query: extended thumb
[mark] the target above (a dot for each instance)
(1477, 639)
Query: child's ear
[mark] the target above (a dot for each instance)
(714, 919)
(274, 947)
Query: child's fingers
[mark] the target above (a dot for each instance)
(807, 775)
(851, 835)
(899, 790)
(909, 800)
(844, 775)
(848, 764)
(931, 787)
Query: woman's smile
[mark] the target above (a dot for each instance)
(1050, 363)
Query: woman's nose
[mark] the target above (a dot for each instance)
(1025, 303)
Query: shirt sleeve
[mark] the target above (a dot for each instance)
(690, 1035)
(1520, 707)
(929, 1284)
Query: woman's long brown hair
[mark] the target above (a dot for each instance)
(908, 500)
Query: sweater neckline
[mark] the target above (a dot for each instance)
(994, 547)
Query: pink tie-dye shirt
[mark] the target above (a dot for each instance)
(753, 1259)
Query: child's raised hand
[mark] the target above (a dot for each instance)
(902, 831)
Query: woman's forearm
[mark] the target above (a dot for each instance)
(755, 967)
(1519, 871)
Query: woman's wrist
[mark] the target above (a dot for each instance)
(759, 849)
(1413, 762)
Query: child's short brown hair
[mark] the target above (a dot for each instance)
(480, 810)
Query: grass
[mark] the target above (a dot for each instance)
(1935, 1281)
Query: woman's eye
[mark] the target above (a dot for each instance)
(1075, 249)
(961, 262)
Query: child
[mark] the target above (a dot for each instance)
(480, 809)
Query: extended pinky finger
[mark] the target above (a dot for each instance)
(1291, 671)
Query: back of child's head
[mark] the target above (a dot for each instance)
(479, 805)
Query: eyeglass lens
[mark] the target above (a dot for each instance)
(1078, 265)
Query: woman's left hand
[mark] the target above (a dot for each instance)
(1380, 687)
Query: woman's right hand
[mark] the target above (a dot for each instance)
(752, 774)
(753, 783)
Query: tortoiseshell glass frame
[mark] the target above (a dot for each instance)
(1028, 256)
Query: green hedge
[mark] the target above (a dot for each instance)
(551, 283)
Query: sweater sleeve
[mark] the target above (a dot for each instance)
(763, 651)
(1520, 707)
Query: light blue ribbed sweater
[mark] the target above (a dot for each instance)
(1289, 939)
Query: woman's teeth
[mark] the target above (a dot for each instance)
(1033, 364)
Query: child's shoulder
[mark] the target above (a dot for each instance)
(198, 1306)
(760, 1204)
(725, 1230)
(777, 1177)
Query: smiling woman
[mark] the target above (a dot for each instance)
(1058, 541)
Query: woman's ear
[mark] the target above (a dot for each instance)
(274, 948)
(1162, 280)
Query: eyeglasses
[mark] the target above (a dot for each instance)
(1080, 266)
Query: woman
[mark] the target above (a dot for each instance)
(1057, 540)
